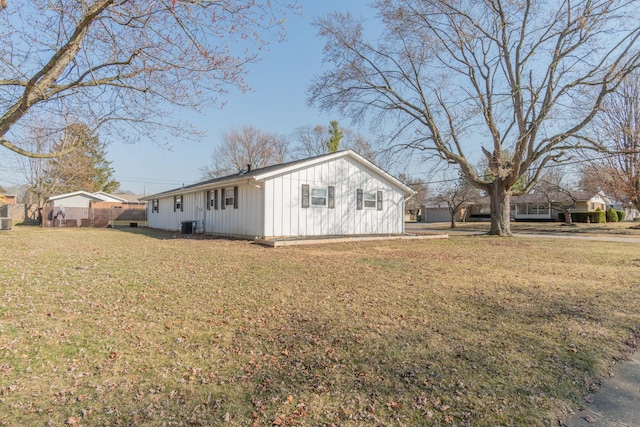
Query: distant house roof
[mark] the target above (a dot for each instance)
(98, 196)
(129, 198)
(261, 174)
(85, 194)
(108, 197)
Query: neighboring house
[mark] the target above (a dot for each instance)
(439, 212)
(98, 209)
(339, 193)
(6, 199)
(540, 206)
(77, 199)
(84, 199)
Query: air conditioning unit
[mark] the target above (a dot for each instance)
(5, 223)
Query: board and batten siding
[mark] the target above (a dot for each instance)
(167, 219)
(285, 216)
(246, 220)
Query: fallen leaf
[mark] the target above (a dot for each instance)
(590, 419)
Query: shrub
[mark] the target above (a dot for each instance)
(621, 215)
(612, 215)
(593, 217)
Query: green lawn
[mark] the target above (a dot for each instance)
(133, 327)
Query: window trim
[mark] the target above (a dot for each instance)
(178, 203)
(227, 199)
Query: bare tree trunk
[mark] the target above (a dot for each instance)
(567, 216)
(453, 220)
(500, 209)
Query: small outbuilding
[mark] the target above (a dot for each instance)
(336, 194)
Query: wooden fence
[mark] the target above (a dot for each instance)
(117, 215)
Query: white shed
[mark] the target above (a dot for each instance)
(334, 194)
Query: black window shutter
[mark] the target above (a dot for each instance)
(175, 200)
(208, 200)
(305, 195)
(223, 198)
(181, 203)
(331, 197)
(235, 197)
(359, 199)
(215, 199)
(379, 200)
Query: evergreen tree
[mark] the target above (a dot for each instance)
(85, 168)
(336, 135)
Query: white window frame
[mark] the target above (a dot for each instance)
(373, 200)
(316, 198)
(228, 191)
(177, 203)
(155, 205)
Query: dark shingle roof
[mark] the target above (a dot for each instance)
(261, 171)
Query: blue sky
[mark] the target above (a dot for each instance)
(276, 104)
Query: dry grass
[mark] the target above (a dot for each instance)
(108, 327)
(613, 229)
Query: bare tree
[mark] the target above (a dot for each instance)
(313, 141)
(310, 141)
(421, 196)
(559, 194)
(457, 195)
(449, 78)
(617, 172)
(243, 148)
(124, 65)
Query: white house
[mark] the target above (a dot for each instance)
(77, 199)
(339, 193)
(539, 206)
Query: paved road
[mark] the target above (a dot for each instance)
(421, 227)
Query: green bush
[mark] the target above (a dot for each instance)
(621, 215)
(593, 217)
(612, 215)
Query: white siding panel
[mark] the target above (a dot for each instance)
(246, 220)
(168, 219)
(285, 216)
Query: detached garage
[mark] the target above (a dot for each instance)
(335, 194)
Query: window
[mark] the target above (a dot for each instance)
(318, 197)
(212, 199)
(155, 204)
(370, 200)
(542, 209)
(177, 204)
(229, 197)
